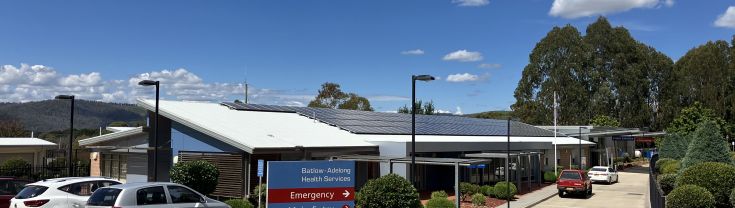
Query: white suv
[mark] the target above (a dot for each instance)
(151, 195)
(71, 192)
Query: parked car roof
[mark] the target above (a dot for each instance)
(141, 184)
(67, 180)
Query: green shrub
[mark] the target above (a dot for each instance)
(15, 167)
(708, 146)
(487, 190)
(439, 194)
(262, 191)
(717, 178)
(478, 199)
(661, 162)
(389, 191)
(550, 176)
(239, 203)
(501, 190)
(667, 182)
(690, 196)
(671, 167)
(199, 175)
(467, 190)
(732, 198)
(674, 146)
(439, 203)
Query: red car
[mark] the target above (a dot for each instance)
(9, 187)
(574, 182)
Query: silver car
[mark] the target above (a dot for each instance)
(150, 195)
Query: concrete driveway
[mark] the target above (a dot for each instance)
(631, 192)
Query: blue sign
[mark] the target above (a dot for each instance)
(623, 138)
(260, 168)
(313, 184)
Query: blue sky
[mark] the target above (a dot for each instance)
(203, 50)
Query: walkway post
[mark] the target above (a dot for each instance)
(456, 184)
(507, 164)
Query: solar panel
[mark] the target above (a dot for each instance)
(367, 122)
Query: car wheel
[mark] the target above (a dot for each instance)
(561, 194)
(589, 192)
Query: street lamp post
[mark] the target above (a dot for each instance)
(425, 78)
(155, 124)
(69, 159)
(579, 164)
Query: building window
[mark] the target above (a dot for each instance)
(114, 166)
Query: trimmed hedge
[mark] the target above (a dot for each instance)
(667, 182)
(717, 178)
(389, 191)
(487, 190)
(439, 203)
(690, 196)
(15, 167)
(239, 203)
(199, 175)
(439, 194)
(671, 167)
(467, 190)
(478, 199)
(550, 176)
(501, 190)
(661, 163)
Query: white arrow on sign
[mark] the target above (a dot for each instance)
(346, 194)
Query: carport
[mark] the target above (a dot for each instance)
(456, 162)
(528, 163)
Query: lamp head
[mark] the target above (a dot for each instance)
(147, 83)
(64, 97)
(424, 77)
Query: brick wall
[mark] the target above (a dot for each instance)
(94, 164)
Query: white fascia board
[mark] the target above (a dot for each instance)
(111, 136)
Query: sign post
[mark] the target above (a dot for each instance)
(260, 182)
(313, 184)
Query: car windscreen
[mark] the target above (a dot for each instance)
(11, 187)
(104, 197)
(570, 175)
(599, 169)
(30, 192)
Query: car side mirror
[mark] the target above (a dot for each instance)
(202, 200)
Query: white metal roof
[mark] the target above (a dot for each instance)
(24, 141)
(248, 130)
(117, 129)
(500, 139)
(127, 131)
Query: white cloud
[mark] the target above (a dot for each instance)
(38, 82)
(471, 3)
(466, 77)
(413, 52)
(91, 79)
(463, 56)
(489, 66)
(440, 111)
(727, 19)
(585, 8)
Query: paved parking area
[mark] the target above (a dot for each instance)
(631, 192)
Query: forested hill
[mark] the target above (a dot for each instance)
(53, 115)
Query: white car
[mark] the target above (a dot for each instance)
(71, 192)
(151, 195)
(603, 174)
